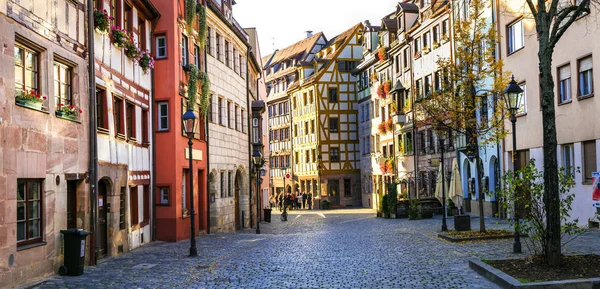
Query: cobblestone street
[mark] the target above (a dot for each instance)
(314, 249)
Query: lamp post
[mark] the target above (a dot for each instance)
(284, 214)
(189, 123)
(512, 97)
(258, 161)
(442, 143)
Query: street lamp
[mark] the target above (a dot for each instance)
(284, 214)
(258, 161)
(442, 143)
(189, 123)
(512, 97)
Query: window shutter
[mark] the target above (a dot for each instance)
(585, 64)
(589, 157)
(564, 72)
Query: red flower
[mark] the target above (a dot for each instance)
(32, 92)
(44, 98)
(71, 107)
(80, 111)
(60, 105)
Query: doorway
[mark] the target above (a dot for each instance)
(102, 213)
(237, 188)
(71, 204)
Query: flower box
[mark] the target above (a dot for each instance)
(102, 21)
(68, 112)
(29, 98)
(29, 103)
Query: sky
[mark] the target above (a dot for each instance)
(288, 20)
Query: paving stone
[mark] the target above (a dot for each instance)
(328, 249)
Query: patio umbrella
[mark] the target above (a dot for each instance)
(438, 185)
(455, 192)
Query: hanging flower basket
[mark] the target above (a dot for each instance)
(119, 37)
(131, 50)
(389, 125)
(382, 127)
(387, 87)
(29, 99)
(70, 112)
(381, 54)
(146, 61)
(380, 91)
(102, 21)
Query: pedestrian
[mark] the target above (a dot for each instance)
(290, 201)
(272, 201)
(304, 200)
(298, 200)
(309, 200)
(280, 202)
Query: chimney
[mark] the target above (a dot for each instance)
(309, 33)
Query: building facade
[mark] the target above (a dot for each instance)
(229, 161)
(279, 73)
(325, 148)
(177, 49)
(44, 155)
(576, 130)
(123, 101)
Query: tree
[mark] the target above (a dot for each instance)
(472, 81)
(552, 19)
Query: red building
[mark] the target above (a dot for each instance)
(177, 47)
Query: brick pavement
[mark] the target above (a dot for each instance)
(314, 249)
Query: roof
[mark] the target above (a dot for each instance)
(298, 50)
(407, 7)
(390, 24)
(341, 38)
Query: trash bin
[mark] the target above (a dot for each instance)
(267, 213)
(74, 250)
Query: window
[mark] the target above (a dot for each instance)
(229, 186)
(235, 60)
(222, 184)
(115, 12)
(163, 116)
(564, 83)
(30, 211)
(161, 47)
(333, 187)
(219, 50)
(244, 122)
(26, 69)
(523, 99)
(142, 33)
(567, 159)
(131, 123)
(437, 81)
(127, 18)
(426, 40)
(122, 208)
(145, 139)
(164, 195)
(62, 84)
(133, 206)
(184, 50)
(209, 40)
(589, 160)
(333, 95)
(227, 58)
(334, 154)
(333, 124)
(417, 45)
(586, 86)
(71, 204)
(221, 111)
(237, 115)
(347, 188)
(445, 29)
(118, 116)
(196, 55)
(428, 85)
(241, 62)
(405, 61)
(515, 36)
(418, 88)
(436, 34)
(101, 110)
(229, 122)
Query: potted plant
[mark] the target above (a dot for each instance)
(381, 91)
(417, 54)
(389, 125)
(426, 49)
(435, 45)
(387, 87)
(119, 37)
(146, 61)
(381, 54)
(29, 98)
(445, 38)
(102, 21)
(382, 127)
(413, 210)
(131, 50)
(68, 111)
(385, 206)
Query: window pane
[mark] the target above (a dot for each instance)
(34, 229)
(21, 191)
(34, 191)
(34, 210)
(30, 61)
(20, 231)
(21, 211)
(30, 82)
(18, 56)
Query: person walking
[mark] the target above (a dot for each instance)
(304, 200)
(280, 202)
(309, 200)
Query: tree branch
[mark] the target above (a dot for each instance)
(582, 7)
(532, 8)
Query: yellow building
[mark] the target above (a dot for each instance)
(326, 153)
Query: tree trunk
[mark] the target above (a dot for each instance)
(551, 188)
(480, 189)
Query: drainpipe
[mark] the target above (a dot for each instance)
(414, 124)
(93, 155)
(153, 145)
(207, 135)
(249, 119)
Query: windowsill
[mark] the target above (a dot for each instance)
(30, 246)
(162, 130)
(42, 110)
(68, 119)
(102, 130)
(509, 54)
(145, 144)
(585, 96)
(121, 137)
(132, 140)
(587, 183)
(163, 205)
(144, 223)
(566, 102)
